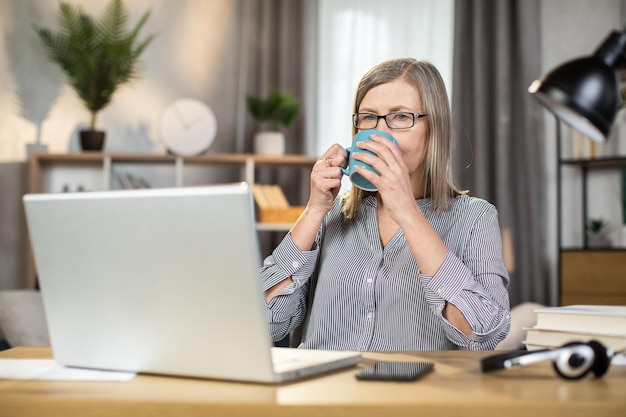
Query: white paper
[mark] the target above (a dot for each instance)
(48, 369)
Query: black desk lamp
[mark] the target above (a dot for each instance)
(585, 93)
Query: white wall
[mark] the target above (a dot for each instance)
(191, 55)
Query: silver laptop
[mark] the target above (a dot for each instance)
(160, 281)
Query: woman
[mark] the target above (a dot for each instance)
(416, 265)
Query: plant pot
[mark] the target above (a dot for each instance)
(91, 140)
(269, 143)
(598, 240)
(32, 148)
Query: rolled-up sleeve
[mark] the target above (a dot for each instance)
(286, 310)
(476, 282)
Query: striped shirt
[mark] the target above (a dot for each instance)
(368, 297)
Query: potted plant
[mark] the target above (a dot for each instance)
(276, 110)
(596, 233)
(97, 56)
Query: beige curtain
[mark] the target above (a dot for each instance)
(273, 55)
(13, 241)
(274, 38)
(498, 149)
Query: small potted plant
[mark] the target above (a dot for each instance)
(596, 233)
(273, 112)
(97, 56)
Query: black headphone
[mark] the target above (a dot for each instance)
(571, 361)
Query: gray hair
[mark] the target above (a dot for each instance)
(438, 181)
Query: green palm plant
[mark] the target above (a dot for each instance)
(97, 56)
(596, 225)
(275, 110)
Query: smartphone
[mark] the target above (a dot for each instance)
(394, 371)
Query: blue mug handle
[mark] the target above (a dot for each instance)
(345, 170)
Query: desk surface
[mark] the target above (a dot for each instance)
(455, 388)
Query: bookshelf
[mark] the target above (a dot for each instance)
(103, 165)
(590, 275)
(95, 171)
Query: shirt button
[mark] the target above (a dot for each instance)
(369, 280)
(295, 264)
(370, 316)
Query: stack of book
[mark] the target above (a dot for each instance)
(273, 206)
(557, 326)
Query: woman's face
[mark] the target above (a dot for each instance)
(398, 96)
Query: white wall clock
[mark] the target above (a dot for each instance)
(188, 126)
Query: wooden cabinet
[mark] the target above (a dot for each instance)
(593, 277)
(50, 172)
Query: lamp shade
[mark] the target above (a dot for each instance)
(584, 93)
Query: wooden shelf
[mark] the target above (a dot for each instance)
(596, 163)
(586, 275)
(248, 162)
(205, 158)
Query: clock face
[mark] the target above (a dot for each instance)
(188, 126)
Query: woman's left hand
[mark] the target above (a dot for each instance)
(392, 179)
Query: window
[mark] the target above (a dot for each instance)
(353, 35)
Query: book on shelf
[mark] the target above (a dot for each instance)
(277, 196)
(537, 338)
(262, 200)
(586, 319)
(269, 196)
(273, 205)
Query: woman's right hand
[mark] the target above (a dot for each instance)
(325, 185)
(326, 178)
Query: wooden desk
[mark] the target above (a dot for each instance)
(455, 388)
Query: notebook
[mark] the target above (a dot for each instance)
(160, 281)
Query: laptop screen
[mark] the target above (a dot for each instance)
(160, 280)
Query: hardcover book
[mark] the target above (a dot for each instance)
(541, 339)
(588, 319)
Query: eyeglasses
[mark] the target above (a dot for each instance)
(397, 120)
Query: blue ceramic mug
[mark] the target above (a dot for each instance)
(356, 178)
